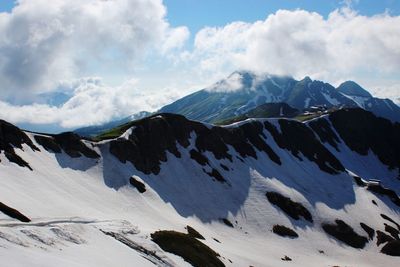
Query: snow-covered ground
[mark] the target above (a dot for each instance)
(74, 202)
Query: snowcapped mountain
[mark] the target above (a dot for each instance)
(174, 192)
(243, 91)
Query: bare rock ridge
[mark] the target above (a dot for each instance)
(247, 139)
(12, 137)
(69, 142)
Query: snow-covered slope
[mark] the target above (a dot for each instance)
(100, 203)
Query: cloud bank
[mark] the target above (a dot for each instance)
(343, 46)
(91, 103)
(48, 46)
(43, 42)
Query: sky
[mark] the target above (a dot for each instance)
(65, 64)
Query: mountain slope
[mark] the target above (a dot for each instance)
(266, 110)
(91, 131)
(234, 185)
(243, 91)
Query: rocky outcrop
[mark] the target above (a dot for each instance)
(13, 213)
(68, 142)
(345, 233)
(12, 137)
(152, 138)
(291, 208)
(363, 132)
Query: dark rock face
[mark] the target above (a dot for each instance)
(298, 138)
(392, 231)
(198, 157)
(217, 175)
(69, 142)
(168, 130)
(48, 143)
(368, 230)
(362, 131)
(227, 222)
(291, 208)
(12, 137)
(390, 220)
(13, 213)
(382, 238)
(392, 248)
(325, 133)
(343, 232)
(193, 233)
(284, 231)
(379, 189)
(141, 187)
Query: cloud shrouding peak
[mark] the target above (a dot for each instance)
(345, 45)
(46, 47)
(43, 42)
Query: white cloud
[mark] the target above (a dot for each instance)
(92, 103)
(43, 42)
(342, 46)
(49, 45)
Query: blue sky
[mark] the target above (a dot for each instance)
(199, 13)
(72, 63)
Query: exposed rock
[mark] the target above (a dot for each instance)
(69, 142)
(170, 129)
(392, 231)
(298, 138)
(362, 131)
(193, 233)
(379, 189)
(13, 213)
(359, 181)
(189, 248)
(368, 230)
(390, 220)
(392, 248)
(141, 187)
(382, 238)
(343, 232)
(48, 143)
(214, 173)
(325, 133)
(284, 231)
(227, 222)
(291, 208)
(12, 137)
(198, 157)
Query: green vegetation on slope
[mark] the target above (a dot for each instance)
(188, 247)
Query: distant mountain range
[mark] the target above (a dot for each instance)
(96, 130)
(244, 94)
(243, 91)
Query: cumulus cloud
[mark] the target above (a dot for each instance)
(91, 103)
(345, 45)
(43, 42)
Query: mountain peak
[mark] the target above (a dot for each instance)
(353, 89)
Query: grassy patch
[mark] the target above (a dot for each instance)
(189, 248)
(113, 133)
